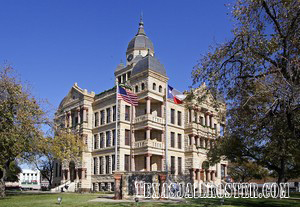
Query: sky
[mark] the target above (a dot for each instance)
(54, 43)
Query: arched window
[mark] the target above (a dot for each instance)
(154, 86)
(143, 86)
(136, 88)
(160, 89)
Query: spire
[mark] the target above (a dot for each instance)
(141, 30)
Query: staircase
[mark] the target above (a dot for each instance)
(64, 185)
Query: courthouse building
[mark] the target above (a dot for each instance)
(141, 144)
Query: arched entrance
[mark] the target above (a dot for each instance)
(72, 171)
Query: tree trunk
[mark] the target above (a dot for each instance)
(2, 183)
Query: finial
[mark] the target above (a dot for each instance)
(141, 18)
(141, 26)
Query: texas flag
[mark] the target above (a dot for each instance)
(176, 95)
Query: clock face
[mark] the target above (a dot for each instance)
(129, 58)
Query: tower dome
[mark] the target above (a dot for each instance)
(140, 42)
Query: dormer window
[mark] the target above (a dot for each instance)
(143, 86)
(154, 86)
(160, 89)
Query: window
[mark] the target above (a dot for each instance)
(195, 117)
(160, 89)
(101, 140)
(124, 78)
(179, 118)
(56, 169)
(102, 117)
(215, 127)
(136, 88)
(114, 113)
(96, 119)
(108, 139)
(143, 86)
(60, 170)
(126, 162)
(101, 165)
(114, 137)
(119, 79)
(222, 171)
(179, 165)
(96, 141)
(154, 86)
(222, 130)
(95, 165)
(211, 122)
(127, 136)
(190, 115)
(172, 139)
(179, 141)
(107, 164)
(172, 165)
(127, 113)
(113, 161)
(172, 116)
(108, 115)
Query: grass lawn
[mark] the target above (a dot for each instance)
(34, 200)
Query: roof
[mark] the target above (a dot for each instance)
(140, 41)
(149, 63)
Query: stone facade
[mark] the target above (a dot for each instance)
(141, 138)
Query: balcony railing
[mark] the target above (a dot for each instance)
(149, 117)
(149, 143)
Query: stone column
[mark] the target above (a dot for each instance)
(148, 132)
(78, 115)
(132, 163)
(192, 139)
(162, 180)
(198, 175)
(118, 190)
(202, 175)
(207, 120)
(148, 162)
(193, 171)
(68, 174)
(84, 114)
(208, 175)
(66, 119)
(212, 121)
(162, 163)
(192, 116)
(148, 105)
(133, 113)
(198, 141)
(213, 175)
(70, 118)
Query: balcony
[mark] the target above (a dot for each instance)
(149, 143)
(149, 120)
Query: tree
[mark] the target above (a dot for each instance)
(258, 73)
(21, 118)
(246, 171)
(63, 145)
(12, 172)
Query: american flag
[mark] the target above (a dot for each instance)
(127, 96)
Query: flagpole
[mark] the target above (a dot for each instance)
(116, 138)
(166, 130)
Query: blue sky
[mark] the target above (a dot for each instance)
(53, 44)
